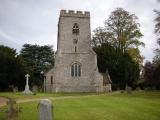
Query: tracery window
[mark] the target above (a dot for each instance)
(76, 70)
(75, 29)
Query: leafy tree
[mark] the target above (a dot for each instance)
(123, 30)
(136, 55)
(117, 46)
(157, 32)
(157, 25)
(152, 70)
(12, 70)
(157, 76)
(38, 59)
(151, 75)
(99, 37)
(122, 69)
(149, 69)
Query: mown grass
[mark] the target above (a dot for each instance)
(119, 106)
(20, 95)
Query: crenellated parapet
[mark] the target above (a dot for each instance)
(73, 13)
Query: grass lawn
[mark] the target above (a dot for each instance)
(114, 106)
(19, 95)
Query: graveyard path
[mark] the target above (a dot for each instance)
(51, 98)
(3, 100)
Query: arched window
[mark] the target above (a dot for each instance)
(76, 70)
(75, 29)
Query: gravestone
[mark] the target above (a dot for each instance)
(27, 90)
(45, 109)
(128, 89)
(15, 89)
(35, 88)
(12, 112)
(138, 89)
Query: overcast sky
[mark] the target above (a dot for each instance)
(35, 21)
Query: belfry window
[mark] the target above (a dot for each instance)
(75, 49)
(51, 79)
(76, 70)
(75, 29)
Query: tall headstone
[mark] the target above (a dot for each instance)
(27, 90)
(45, 109)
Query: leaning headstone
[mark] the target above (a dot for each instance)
(128, 90)
(12, 112)
(45, 109)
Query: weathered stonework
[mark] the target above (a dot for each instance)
(74, 48)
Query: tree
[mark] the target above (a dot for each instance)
(12, 70)
(151, 75)
(149, 69)
(155, 81)
(122, 69)
(117, 47)
(157, 25)
(123, 30)
(136, 55)
(157, 32)
(38, 59)
(99, 37)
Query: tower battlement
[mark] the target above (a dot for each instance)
(73, 13)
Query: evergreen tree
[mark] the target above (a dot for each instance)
(38, 59)
(12, 70)
(122, 68)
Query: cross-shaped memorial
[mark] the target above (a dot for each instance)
(27, 90)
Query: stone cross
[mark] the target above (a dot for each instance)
(27, 90)
(27, 77)
(45, 110)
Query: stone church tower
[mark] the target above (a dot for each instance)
(75, 67)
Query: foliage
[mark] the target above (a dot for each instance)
(151, 75)
(38, 59)
(152, 70)
(12, 69)
(117, 46)
(149, 69)
(121, 31)
(157, 31)
(157, 25)
(136, 55)
(122, 69)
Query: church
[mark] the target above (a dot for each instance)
(75, 68)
